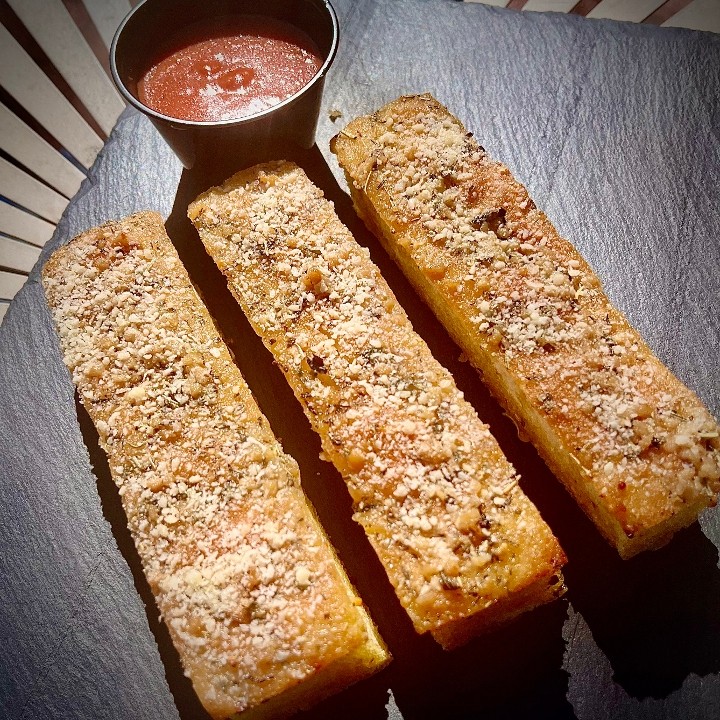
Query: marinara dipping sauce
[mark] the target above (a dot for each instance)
(230, 67)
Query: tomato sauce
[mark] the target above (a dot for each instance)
(229, 68)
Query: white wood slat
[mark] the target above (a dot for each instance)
(24, 80)
(562, 6)
(635, 11)
(25, 190)
(10, 284)
(3, 309)
(107, 16)
(55, 31)
(496, 3)
(698, 15)
(20, 224)
(17, 256)
(22, 143)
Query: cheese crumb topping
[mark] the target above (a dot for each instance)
(242, 574)
(529, 304)
(432, 489)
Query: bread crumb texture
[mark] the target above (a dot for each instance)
(635, 445)
(243, 576)
(438, 500)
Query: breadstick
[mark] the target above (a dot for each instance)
(636, 448)
(461, 544)
(262, 614)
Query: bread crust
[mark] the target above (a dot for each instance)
(261, 613)
(636, 448)
(438, 500)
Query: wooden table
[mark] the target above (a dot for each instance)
(615, 130)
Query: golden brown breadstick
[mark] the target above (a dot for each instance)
(634, 446)
(260, 610)
(462, 545)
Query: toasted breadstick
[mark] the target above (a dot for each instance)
(634, 446)
(259, 608)
(461, 544)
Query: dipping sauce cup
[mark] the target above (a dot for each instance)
(155, 27)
